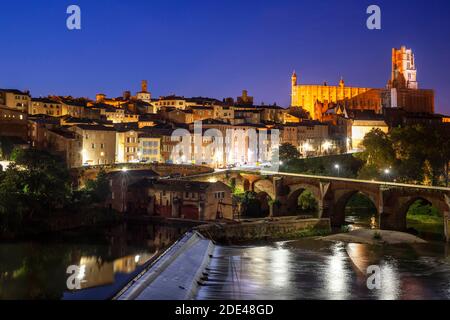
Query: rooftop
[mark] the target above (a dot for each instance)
(15, 91)
(94, 127)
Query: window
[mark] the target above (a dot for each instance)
(102, 146)
(93, 146)
(219, 195)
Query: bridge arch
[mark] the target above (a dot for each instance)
(438, 203)
(342, 198)
(264, 201)
(266, 186)
(294, 193)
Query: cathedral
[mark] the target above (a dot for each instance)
(402, 91)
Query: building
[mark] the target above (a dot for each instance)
(277, 114)
(167, 144)
(98, 143)
(127, 146)
(15, 99)
(243, 114)
(245, 99)
(200, 113)
(38, 127)
(179, 116)
(404, 72)
(66, 144)
(120, 199)
(313, 138)
(171, 101)
(317, 99)
(223, 113)
(183, 199)
(77, 110)
(13, 123)
(144, 95)
(402, 91)
(149, 148)
(115, 114)
(45, 106)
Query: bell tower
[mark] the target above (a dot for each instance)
(144, 95)
(404, 72)
(294, 89)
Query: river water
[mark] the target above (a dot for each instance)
(303, 269)
(315, 269)
(107, 259)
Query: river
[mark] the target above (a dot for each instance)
(314, 269)
(107, 258)
(302, 269)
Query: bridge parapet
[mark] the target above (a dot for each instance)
(391, 200)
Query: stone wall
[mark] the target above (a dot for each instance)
(282, 229)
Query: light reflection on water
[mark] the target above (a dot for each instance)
(37, 270)
(311, 269)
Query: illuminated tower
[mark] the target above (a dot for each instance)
(294, 89)
(404, 73)
(144, 95)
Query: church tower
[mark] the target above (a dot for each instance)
(404, 72)
(294, 89)
(144, 95)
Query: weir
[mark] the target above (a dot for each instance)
(175, 274)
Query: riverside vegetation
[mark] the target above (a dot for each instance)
(37, 187)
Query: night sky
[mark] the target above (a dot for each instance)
(216, 48)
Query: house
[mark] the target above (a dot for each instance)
(98, 143)
(183, 199)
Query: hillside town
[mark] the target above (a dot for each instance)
(140, 129)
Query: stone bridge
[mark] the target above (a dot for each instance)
(392, 200)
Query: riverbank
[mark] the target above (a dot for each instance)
(276, 229)
(374, 237)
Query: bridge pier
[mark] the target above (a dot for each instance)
(447, 225)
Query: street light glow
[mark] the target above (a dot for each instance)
(326, 145)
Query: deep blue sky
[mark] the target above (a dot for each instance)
(218, 47)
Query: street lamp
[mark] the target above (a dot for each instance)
(387, 172)
(338, 168)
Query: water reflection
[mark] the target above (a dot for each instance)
(310, 269)
(280, 266)
(106, 262)
(336, 272)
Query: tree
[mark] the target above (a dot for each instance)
(288, 152)
(307, 202)
(417, 154)
(6, 147)
(98, 189)
(45, 180)
(13, 204)
(36, 184)
(378, 154)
